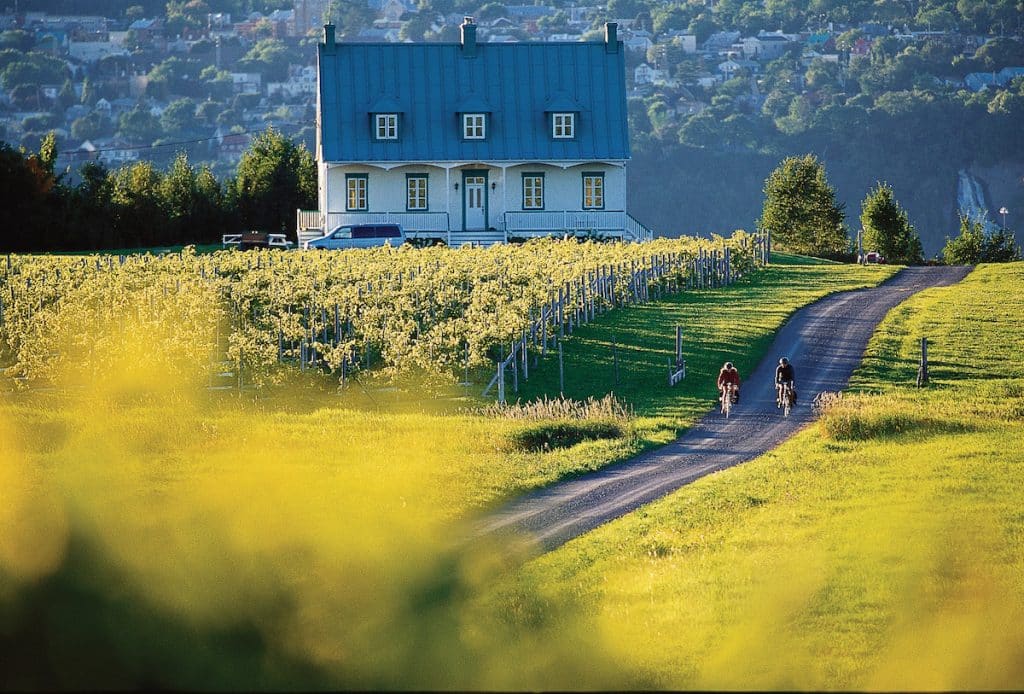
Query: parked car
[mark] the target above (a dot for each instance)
(360, 236)
(256, 239)
(874, 257)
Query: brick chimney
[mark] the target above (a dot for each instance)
(468, 28)
(611, 37)
(329, 38)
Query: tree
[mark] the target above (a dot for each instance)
(31, 197)
(974, 245)
(275, 177)
(887, 229)
(139, 126)
(90, 127)
(179, 119)
(139, 209)
(269, 57)
(800, 209)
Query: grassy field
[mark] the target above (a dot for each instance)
(154, 533)
(880, 549)
(734, 324)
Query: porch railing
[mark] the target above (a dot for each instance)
(606, 223)
(411, 221)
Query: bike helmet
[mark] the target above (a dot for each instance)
(783, 361)
(728, 365)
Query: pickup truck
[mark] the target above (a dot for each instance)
(256, 239)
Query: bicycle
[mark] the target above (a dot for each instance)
(728, 398)
(785, 398)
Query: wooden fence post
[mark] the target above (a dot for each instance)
(922, 370)
(561, 372)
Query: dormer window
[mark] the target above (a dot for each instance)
(385, 126)
(563, 126)
(474, 126)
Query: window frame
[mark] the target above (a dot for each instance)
(353, 178)
(480, 123)
(409, 178)
(390, 123)
(539, 175)
(597, 175)
(566, 120)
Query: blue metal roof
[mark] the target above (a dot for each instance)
(429, 84)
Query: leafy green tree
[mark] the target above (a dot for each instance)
(194, 202)
(269, 57)
(91, 209)
(31, 202)
(800, 209)
(998, 53)
(275, 177)
(887, 229)
(179, 119)
(702, 27)
(416, 28)
(139, 126)
(491, 11)
(700, 130)
(139, 209)
(33, 68)
(974, 246)
(90, 127)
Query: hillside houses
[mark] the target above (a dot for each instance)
(117, 77)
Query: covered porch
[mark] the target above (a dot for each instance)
(512, 225)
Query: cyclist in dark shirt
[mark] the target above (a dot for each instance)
(784, 373)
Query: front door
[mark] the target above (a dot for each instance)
(475, 200)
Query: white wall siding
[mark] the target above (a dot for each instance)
(386, 189)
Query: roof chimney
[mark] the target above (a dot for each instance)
(329, 37)
(611, 37)
(468, 37)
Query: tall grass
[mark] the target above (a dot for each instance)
(152, 538)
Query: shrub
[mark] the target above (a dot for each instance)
(543, 436)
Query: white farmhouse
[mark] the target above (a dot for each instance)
(473, 142)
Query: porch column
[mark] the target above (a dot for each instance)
(504, 200)
(448, 201)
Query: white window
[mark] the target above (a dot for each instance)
(356, 189)
(593, 191)
(533, 191)
(416, 193)
(474, 126)
(564, 126)
(386, 126)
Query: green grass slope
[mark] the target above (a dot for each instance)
(880, 549)
(735, 323)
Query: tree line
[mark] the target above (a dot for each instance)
(803, 216)
(140, 205)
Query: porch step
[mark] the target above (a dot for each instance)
(477, 238)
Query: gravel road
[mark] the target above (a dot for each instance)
(825, 341)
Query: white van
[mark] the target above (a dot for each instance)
(360, 236)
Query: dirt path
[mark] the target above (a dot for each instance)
(825, 342)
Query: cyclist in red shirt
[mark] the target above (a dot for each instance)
(729, 376)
